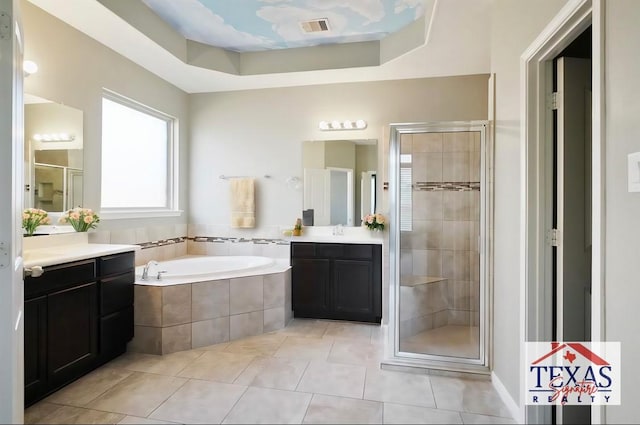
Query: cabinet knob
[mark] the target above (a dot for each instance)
(35, 271)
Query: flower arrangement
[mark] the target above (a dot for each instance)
(81, 219)
(374, 221)
(32, 218)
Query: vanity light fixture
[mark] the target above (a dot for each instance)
(342, 125)
(54, 137)
(29, 68)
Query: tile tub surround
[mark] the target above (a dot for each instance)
(299, 374)
(181, 317)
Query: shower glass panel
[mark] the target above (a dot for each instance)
(439, 285)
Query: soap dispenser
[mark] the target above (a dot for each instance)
(297, 229)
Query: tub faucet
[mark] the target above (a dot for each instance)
(145, 271)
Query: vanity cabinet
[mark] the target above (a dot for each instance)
(336, 281)
(78, 316)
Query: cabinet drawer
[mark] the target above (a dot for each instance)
(330, 250)
(60, 277)
(118, 263)
(116, 293)
(358, 252)
(303, 249)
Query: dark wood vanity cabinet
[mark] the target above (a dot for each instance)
(336, 281)
(78, 316)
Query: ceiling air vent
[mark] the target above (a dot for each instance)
(315, 25)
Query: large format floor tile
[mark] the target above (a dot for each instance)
(269, 406)
(468, 396)
(273, 372)
(168, 364)
(56, 414)
(133, 420)
(138, 395)
(217, 366)
(326, 409)
(357, 353)
(305, 348)
(89, 387)
(200, 402)
(333, 379)
(314, 371)
(350, 331)
(398, 387)
(404, 414)
(266, 344)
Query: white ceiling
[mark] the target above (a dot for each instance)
(458, 43)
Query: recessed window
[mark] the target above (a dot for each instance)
(139, 160)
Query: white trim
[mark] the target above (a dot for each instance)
(598, 413)
(516, 413)
(134, 213)
(535, 317)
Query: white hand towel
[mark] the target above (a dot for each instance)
(243, 206)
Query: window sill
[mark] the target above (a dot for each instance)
(126, 214)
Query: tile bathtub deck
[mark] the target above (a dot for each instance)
(313, 371)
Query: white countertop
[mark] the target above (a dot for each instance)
(358, 235)
(64, 253)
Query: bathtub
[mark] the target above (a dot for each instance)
(196, 268)
(206, 300)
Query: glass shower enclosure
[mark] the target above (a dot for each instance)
(439, 215)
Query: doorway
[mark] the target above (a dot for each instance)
(562, 201)
(572, 215)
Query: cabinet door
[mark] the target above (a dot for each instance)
(310, 287)
(72, 333)
(35, 348)
(353, 290)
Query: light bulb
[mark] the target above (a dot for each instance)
(360, 124)
(335, 124)
(348, 125)
(37, 137)
(323, 125)
(29, 67)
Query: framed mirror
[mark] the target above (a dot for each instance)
(339, 181)
(53, 137)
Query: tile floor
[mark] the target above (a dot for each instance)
(311, 372)
(455, 341)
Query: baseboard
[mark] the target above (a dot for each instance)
(511, 404)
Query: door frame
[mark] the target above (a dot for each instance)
(11, 196)
(536, 283)
(395, 357)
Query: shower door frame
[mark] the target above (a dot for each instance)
(395, 357)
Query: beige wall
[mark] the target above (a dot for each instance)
(622, 267)
(73, 70)
(515, 24)
(257, 132)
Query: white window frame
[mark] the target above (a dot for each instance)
(171, 209)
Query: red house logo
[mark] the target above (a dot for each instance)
(575, 373)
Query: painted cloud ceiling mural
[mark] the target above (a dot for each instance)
(253, 25)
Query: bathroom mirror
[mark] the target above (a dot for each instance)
(53, 155)
(339, 183)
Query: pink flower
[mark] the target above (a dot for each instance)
(62, 220)
(74, 215)
(380, 218)
(370, 219)
(88, 219)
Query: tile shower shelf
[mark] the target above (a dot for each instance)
(412, 281)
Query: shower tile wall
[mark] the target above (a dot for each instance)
(443, 241)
